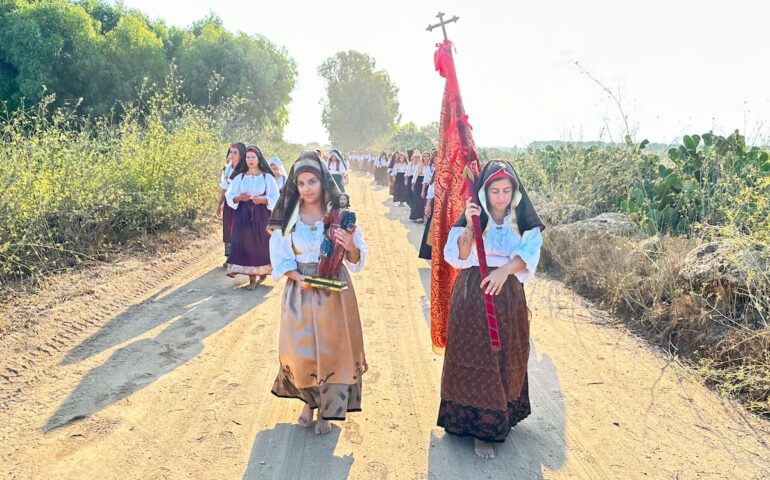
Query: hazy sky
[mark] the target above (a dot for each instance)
(680, 66)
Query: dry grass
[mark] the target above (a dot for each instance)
(719, 330)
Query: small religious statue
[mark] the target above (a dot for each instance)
(332, 252)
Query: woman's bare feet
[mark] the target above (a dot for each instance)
(322, 427)
(252, 283)
(306, 416)
(484, 449)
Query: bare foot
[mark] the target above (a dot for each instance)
(322, 427)
(484, 449)
(306, 417)
(251, 286)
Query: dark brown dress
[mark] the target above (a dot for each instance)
(484, 393)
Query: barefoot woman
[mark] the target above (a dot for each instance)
(484, 393)
(321, 347)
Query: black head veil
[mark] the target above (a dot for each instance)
(286, 211)
(522, 211)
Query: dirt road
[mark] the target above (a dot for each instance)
(163, 370)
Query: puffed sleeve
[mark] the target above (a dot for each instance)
(223, 179)
(529, 252)
(358, 240)
(282, 257)
(233, 191)
(452, 251)
(273, 192)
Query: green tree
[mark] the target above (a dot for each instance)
(50, 43)
(218, 65)
(410, 136)
(361, 104)
(94, 54)
(135, 56)
(107, 14)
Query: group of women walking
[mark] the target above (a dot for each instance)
(280, 224)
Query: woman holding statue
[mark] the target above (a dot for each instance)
(321, 348)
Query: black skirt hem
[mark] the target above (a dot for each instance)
(461, 435)
(483, 423)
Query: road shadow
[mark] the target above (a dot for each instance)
(414, 235)
(155, 312)
(537, 443)
(187, 316)
(290, 451)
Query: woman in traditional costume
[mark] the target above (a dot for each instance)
(484, 392)
(236, 156)
(398, 174)
(413, 157)
(278, 172)
(418, 199)
(252, 194)
(337, 168)
(391, 176)
(428, 176)
(320, 346)
(426, 246)
(381, 169)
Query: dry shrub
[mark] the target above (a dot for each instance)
(720, 329)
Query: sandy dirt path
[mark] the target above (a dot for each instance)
(163, 370)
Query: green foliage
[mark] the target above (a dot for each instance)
(594, 177)
(715, 182)
(75, 188)
(410, 136)
(134, 57)
(708, 180)
(96, 54)
(50, 46)
(218, 65)
(361, 105)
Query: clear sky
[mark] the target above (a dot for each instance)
(681, 66)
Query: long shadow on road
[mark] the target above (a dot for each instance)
(290, 451)
(188, 315)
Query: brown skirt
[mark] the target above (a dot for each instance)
(484, 393)
(321, 347)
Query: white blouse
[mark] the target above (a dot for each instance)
(254, 185)
(427, 175)
(398, 168)
(502, 244)
(418, 172)
(334, 170)
(431, 192)
(280, 181)
(224, 179)
(306, 239)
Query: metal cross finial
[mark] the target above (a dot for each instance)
(442, 23)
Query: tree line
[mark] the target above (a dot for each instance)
(93, 55)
